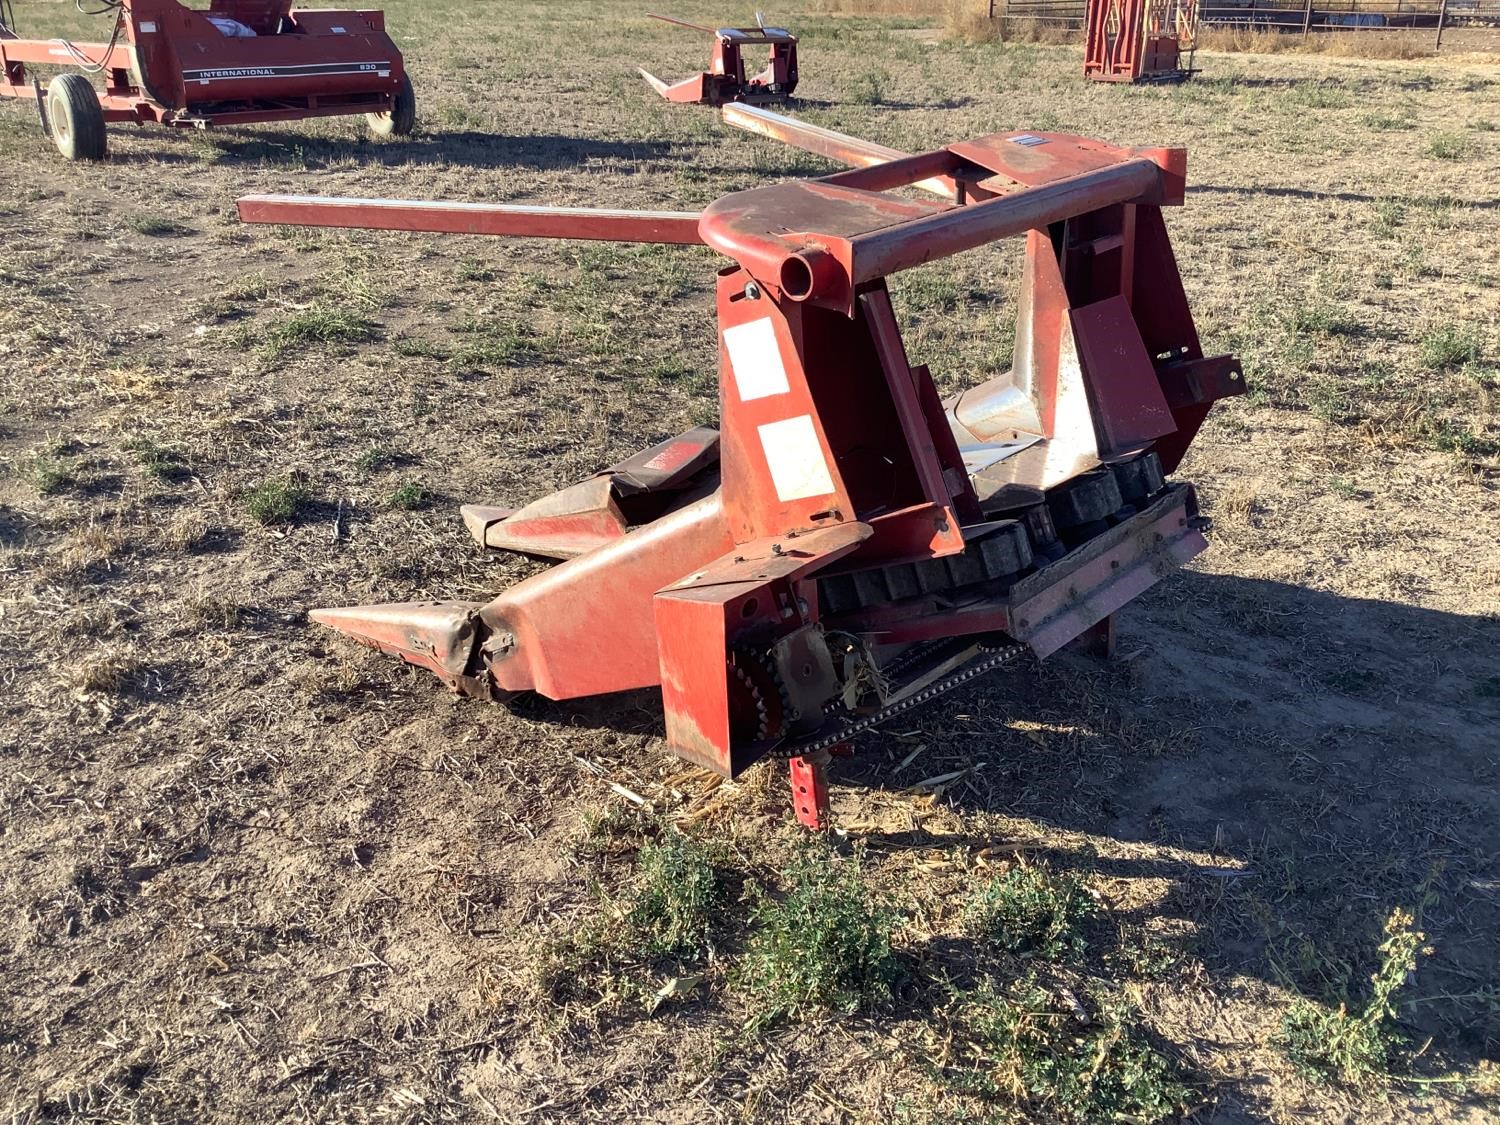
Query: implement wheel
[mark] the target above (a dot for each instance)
(401, 119)
(77, 117)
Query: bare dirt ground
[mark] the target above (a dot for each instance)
(250, 872)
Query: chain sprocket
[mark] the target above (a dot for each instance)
(758, 705)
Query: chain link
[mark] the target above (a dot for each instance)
(986, 662)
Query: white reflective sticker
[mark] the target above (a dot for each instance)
(798, 468)
(338, 31)
(148, 26)
(1030, 140)
(756, 359)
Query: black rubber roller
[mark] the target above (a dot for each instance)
(1085, 499)
(1139, 478)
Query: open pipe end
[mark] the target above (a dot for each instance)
(808, 273)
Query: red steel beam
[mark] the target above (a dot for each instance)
(880, 253)
(55, 52)
(440, 217)
(681, 23)
(827, 143)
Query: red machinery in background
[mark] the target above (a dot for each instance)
(238, 62)
(1140, 40)
(725, 79)
(847, 545)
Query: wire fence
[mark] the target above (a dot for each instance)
(1465, 24)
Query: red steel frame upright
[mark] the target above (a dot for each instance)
(847, 543)
(726, 79)
(1139, 40)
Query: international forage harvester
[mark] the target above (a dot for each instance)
(848, 545)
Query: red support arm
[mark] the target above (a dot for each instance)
(437, 217)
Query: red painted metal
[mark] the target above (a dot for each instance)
(173, 65)
(726, 80)
(711, 566)
(1140, 40)
(810, 790)
(680, 227)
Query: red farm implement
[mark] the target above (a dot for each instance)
(237, 62)
(847, 545)
(725, 79)
(1140, 40)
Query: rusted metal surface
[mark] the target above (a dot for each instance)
(846, 545)
(726, 79)
(171, 64)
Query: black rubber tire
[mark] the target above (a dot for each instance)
(402, 117)
(76, 117)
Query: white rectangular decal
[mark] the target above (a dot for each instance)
(755, 358)
(795, 458)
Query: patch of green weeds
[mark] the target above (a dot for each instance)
(1448, 146)
(1356, 1049)
(1387, 122)
(672, 908)
(1449, 348)
(377, 458)
(276, 500)
(1028, 1052)
(1318, 95)
(867, 88)
(157, 226)
(471, 269)
(1318, 317)
(1389, 214)
(320, 324)
(409, 497)
(48, 473)
(1032, 912)
(417, 347)
(824, 944)
(155, 459)
(492, 344)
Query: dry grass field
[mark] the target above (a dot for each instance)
(250, 872)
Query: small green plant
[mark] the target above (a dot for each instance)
(1448, 146)
(320, 324)
(867, 88)
(375, 459)
(1389, 214)
(1336, 1045)
(409, 497)
(678, 900)
(1387, 122)
(1317, 317)
(1343, 489)
(1032, 912)
(155, 459)
(672, 908)
(825, 945)
(1449, 348)
(1036, 1054)
(49, 475)
(417, 347)
(470, 269)
(157, 226)
(276, 500)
